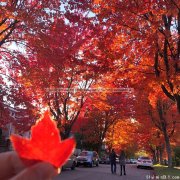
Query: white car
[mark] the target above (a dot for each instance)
(89, 158)
(133, 161)
(144, 162)
(71, 163)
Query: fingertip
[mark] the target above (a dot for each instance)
(10, 164)
(45, 170)
(39, 171)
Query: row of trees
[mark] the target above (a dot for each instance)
(143, 39)
(53, 52)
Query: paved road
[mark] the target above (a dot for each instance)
(103, 173)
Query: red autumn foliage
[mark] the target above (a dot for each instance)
(128, 44)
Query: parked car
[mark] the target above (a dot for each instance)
(144, 162)
(89, 158)
(117, 159)
(107, 160)
(133, 161)
(128, 161)
(104, 160)
(71, 163)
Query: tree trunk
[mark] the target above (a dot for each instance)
(154, 156)
(177, 97)
(157, 154)
(168, 149)
(161, 149)
(99, 147)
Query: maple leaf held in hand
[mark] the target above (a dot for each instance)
(45, 143)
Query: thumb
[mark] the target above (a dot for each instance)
(39, 171)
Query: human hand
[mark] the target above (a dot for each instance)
(12, 168)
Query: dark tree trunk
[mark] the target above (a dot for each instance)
(99, 147)
(161, 149)
(177, 97)
(157, 154)
(168, 148)
(154, 157)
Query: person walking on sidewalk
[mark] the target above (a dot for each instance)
(122, 162)
(112, 158)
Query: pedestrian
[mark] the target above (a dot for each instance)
(122, 162)
(112, 158)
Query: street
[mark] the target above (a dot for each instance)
(103, 173)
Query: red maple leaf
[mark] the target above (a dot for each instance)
(44, 145)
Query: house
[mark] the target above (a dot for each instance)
(7, 129)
